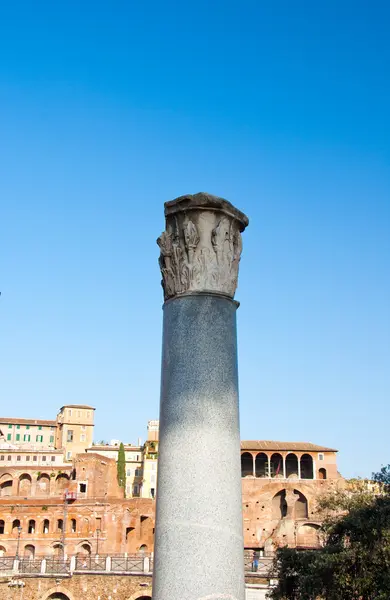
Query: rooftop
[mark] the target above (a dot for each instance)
(77, 406)
(15, 421)
(273, 445)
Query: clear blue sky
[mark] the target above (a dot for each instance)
(107, 109)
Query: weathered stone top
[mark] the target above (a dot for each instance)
(205, 201)
(201, 246)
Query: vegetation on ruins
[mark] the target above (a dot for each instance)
(354, 561)
(121, 466)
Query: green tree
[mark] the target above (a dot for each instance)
(121, 466)
(354, 562)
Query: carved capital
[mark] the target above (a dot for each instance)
(201, 246)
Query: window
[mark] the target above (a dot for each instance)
(70, 412)
(82, 437)
(52, 439)
(39, 427)
(27, 458)
(26, 437)
(83, 488)
(17, 426)
(2, 525)
(73, 525)
(69, 435)
(53, 459)
(9, 457)
(60, 524)
(138, 472)
(27, 426)
(31, 526)
(128, 472)
(9, 436)
(9, 426)
(39, 438)
(18, 437)
(2, 457)
(68, 455)
(320, 456)
(79, 413)
(35, 458)
(43, 458)
(52, 428)
(152, 492)
(83, 428)
(135, 490)
(18, 458)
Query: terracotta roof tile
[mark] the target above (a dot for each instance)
(274, 445)
(14, 421)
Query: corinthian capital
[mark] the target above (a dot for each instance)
(201, 246)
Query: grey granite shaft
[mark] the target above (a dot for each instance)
(198, 537)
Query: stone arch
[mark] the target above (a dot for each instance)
(140, 596)
(57, 548)
(246, 464)
(15, 525)
(84, 548)
(24, 485)
(62, 483)
(291, 466)
(322, 473)
(301, 509)
(307, 471)
(279, 505)
(3, 551)
(59, 592)
(43, 484)
(29, 551)
(277, 465)
(308, 535)
(46, 526)
(6, 485)
(261, 465)
(143, 548)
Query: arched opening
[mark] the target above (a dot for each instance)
(2, 526)
(73, 525)
(246, 465)
(57, 549)
(279, 505)
(261, 465)
(29, 552)
(62, 483)
(85, 549)
(306, 466)
(58, 596)
(15, 525)
(43, 485)
(60, 524)
(277, 465)
(291, 466)
(143, 549)
(5, 485)
(45, 526)
(322, 473)
(25, 485)
(301, 508)
(308, 536)
(31, 526)
(3, 551)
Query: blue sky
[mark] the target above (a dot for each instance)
(109, 109)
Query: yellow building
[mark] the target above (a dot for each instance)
(74, 431)
(28, 433)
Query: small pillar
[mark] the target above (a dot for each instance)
(199, 546)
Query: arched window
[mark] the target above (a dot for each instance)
(25, 485)
(73, 525)
(62, 483)
(57, 549)
(261, 465)
(60, 525)
(15, 525)
(85, 548)
(3, 551)
(43, 485)
(277, 465)
(246, 465)
(6, 485)
(291, 466)
(31, 526)
(308, 536)
(301, 509)
(279, 505)
(29, 551)
(306, 467)
(143, 548)
(45, 526)
(322, 473)
(2, 526)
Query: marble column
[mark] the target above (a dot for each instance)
(198, 535)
